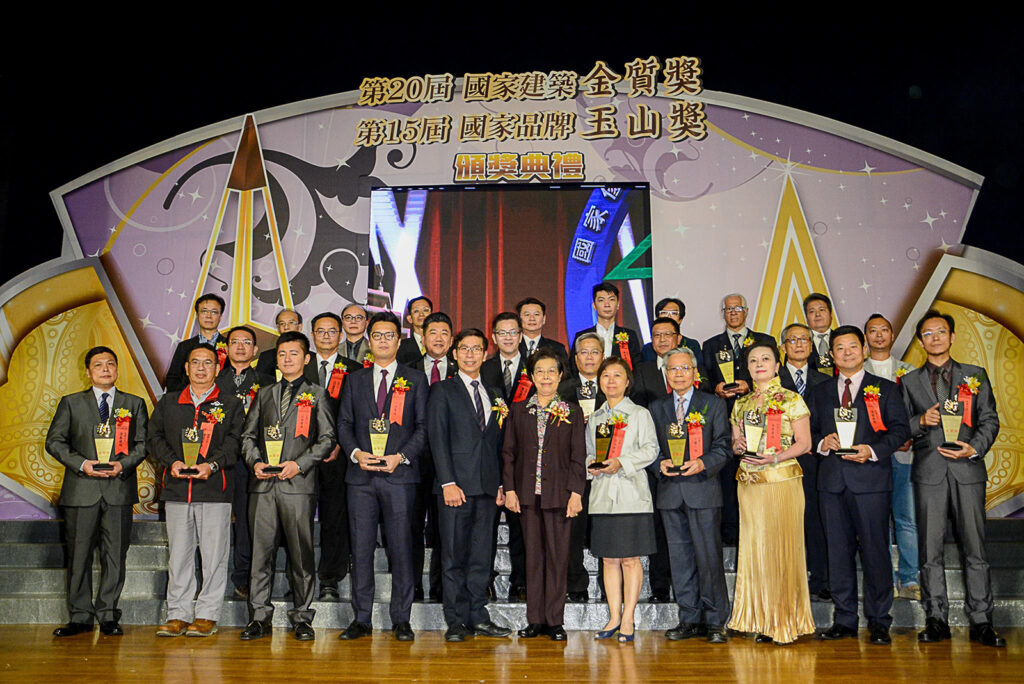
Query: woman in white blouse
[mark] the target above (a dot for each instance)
(621, 508)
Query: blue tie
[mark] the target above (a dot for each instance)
(800, 381)
(104, 409)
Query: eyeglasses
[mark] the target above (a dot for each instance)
(209, 312)
(797, 340)
(664, 335)
(477, 349)
(734, 309)
(201, 363)
(590, 352)
(241, 342)
(353, 318)
(680, 369)
(506, 333)
(926, 334)
(325, 332)
(383, 335)
(669, 313)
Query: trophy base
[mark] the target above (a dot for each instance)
(674, 469)
(845, 452)
(376, 462)
(105, 467)
(596, 465)
(273, 470)
(750, 454)
(189, 471)
(730, 386)
(951, 446)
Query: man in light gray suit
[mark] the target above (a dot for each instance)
(297, 413)
(97, 503)
(948, 480)
(690, 501)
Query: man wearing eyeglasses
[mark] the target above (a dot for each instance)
(287, 320)
(354, 346)
(950, 482)
(209, 308)
(391, 399)
(673, 308)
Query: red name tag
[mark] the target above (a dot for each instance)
(207, 429)
(334, 386)
(302, 421)
(968, 399)
(874, 413)
(696, 435)
(773, 439)
(624, 353)
(522, 389)
(222, 357)
(618, 436)
(121, 437)
(397, 407)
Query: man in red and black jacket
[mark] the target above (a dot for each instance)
(203, 423)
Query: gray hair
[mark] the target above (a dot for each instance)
(735, 294)
(588, 336)
(682, 350)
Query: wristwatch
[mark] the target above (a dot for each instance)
(404, 460)
(214, 467)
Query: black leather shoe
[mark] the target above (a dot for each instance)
(111, 628)
(823, 596)
(578, 597)
(837, 631)
(403, 632)
(255, 630)
(716, 635)
(456, 633)
(534, 629)
(329, 593)
(880, 635)
(489, 629)
(683, 630)
(557, 633)
(355, 630)
(762, 639)
(986, 636)
(659, 598)
(304, 631)
(935, 630)
(73, 628)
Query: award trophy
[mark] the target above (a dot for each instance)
(952, 415)
(725, 364)
(274, 442)
(825, 365)
(753, 431)
(676, 446)
(104, 441)
(379, 429)
(190, 442)
(846, 427)
(586, 401)
(602, 443)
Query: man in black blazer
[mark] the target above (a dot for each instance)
(97, 503)
(690, 501)
(606, 305)
(796, 343)
(818, 311)
(533, 313)
(416, 311)
(855, 489)
(209, 308)
(673, 308)
(465, 442)
(354, 345)
(287, 320)
(951, 482)
(398, 394)
(282, 504)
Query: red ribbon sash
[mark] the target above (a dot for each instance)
(121, 436)
(334, 386)
(624, 353)
(222, 357)
(618, 437)
(207, 429)
(696, 435)
(397, 407)
(302, 420)
(968, 399)
(522, 388)
(773, 439)
(874, 413)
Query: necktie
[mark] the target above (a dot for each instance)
(104, 409)
(590, 389)
(323, 373)
(286, 399)
(941, 385)
(507, 376)
(382, 391)
(435, 373)
(736, 347)
(822, 346)
(479, 405)
(800, 385)
(530, 348)
(680, 409)
(847, 397)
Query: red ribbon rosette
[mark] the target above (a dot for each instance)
(399, 389)
(871, 396)
(302, 420)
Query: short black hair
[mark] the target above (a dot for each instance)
(670, 300)
(408, 304)
(934, 313)
(438, 317)
(384, 317)
(209, 297)
(469, 332)
(293, 336)
(95, 351)
(204, 346)
(785, 331)
(545, 353)
(604, 287)
(531, 300)
(873, 317)
(350, 305)
(666, 320)
(617, 361)
(297, 315)
(771, 345)
(507, 316)
(817, 297)
(846, 330)
(243, 328)
(326, 314)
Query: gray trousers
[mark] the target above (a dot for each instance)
(209, 526)
(292, 515)
(694, 540)
(87, 527)
(966, 502)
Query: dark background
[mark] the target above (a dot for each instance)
(73, 102)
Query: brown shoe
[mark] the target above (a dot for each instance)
(202, 628)
(172, 628)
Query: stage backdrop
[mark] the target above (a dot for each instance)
(635, 173)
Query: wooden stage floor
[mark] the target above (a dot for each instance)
(30, 655)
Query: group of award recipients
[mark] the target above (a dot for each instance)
(792, 458)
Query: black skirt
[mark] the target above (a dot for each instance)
(622, 535)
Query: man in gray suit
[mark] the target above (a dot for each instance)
(690, 500)
(950, 480)
(97, 503)
(295, 411)
(354, 346)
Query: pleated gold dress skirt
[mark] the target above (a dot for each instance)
(772, 596)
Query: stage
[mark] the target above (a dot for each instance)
(30, 653)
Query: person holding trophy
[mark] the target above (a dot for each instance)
(621, 443)
(771, 428)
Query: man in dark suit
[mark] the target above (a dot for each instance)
(97, 503)
(855, 488)
(606, 305)
(732, 341)
(818, 311)
(296, 413)
(354, 345)
(287, 320)
(465, 442)
(209, 309)
(797, 375)
(533, 313)
(416, 311)
(437, 365)
(690, 501)
(673, 308)
(951, 481)
(396, 393)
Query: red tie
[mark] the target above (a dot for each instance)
(847, 398)
(435, 374)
